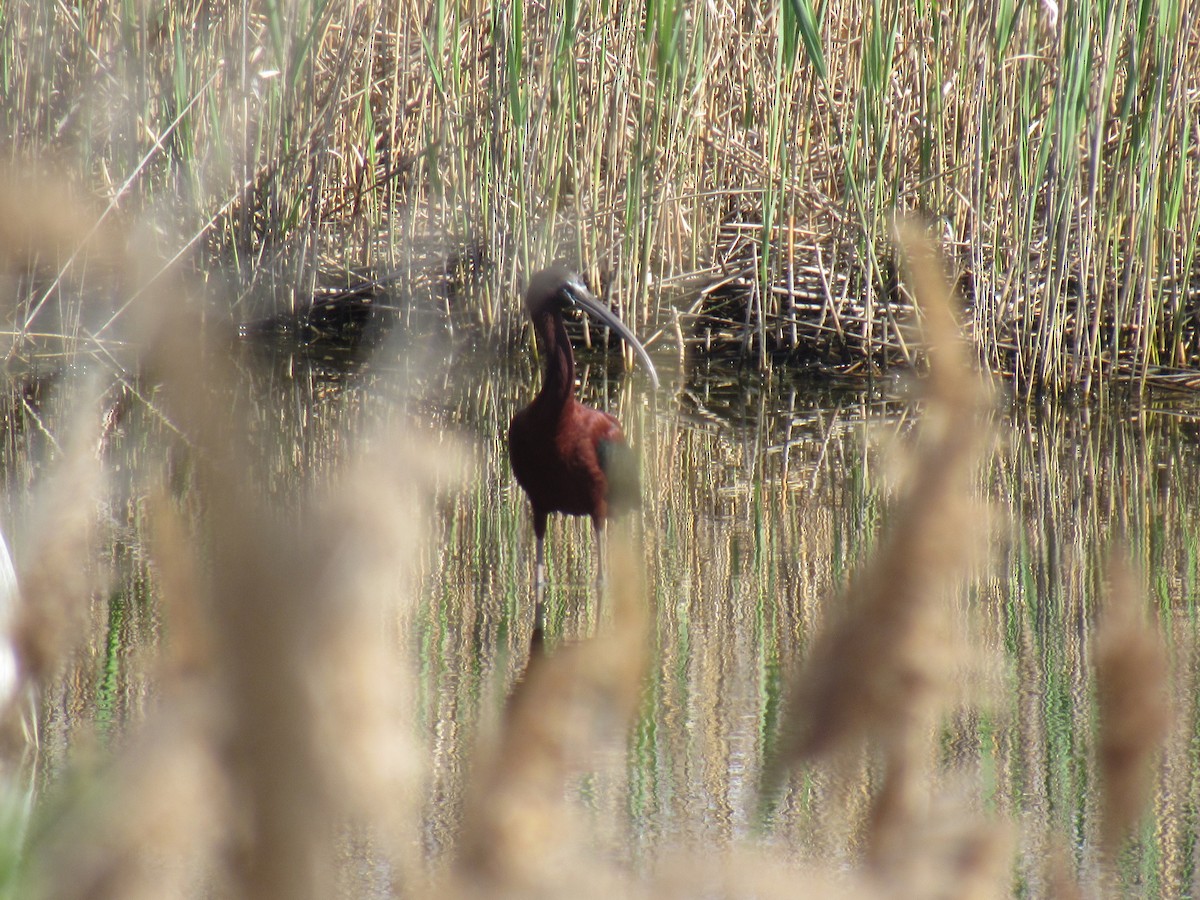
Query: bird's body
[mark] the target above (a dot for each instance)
(568, 457)
(567, 473)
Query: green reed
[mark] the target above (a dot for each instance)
(289, 141)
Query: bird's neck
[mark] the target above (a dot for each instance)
(558, 382)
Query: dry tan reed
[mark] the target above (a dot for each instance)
(57, 574)
(153, 823)
(744, 872)
(367, 533)
(477, 141)
(520, 836)
(313, 684)
(262, 605)
(44, 223)
(1061, 883)
(1135, 715)
(41, 225)
(283, 713)
(182, 592)
(883, 669)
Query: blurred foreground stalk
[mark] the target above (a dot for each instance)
(520, 836)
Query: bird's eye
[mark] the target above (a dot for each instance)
(572, 290)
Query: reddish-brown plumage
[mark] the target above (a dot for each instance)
(568, 457)
(554, 448)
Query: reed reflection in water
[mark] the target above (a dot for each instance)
(760, 498)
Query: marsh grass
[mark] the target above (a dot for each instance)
(291, 145)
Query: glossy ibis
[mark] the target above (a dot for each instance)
(568, 457)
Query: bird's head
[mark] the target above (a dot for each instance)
(556, 289)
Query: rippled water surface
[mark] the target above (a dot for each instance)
(761, 494)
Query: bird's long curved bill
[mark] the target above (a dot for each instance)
(595, 308)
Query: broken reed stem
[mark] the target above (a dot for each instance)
(1135, 716)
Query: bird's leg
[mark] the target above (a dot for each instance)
(539, 586)
(601, 576)
(600, 533)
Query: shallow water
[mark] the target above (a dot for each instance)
(761, 495)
